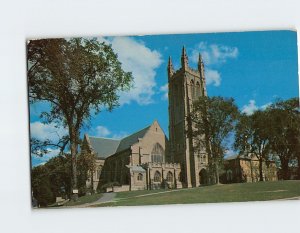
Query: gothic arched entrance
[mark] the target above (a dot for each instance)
(203, 177)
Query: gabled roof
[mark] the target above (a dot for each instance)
(105, 147)
(128, 141)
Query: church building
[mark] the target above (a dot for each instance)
(147, 159)
(136, 162)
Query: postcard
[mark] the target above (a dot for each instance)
(164, 119)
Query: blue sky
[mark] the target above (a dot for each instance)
(255, 68)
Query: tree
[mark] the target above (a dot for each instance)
(75, 76)
(213, 120)
(86, 169)
(41, 188)
(59, 173)
(285, 132)
(253, 136)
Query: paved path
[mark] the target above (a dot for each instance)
(106, 197)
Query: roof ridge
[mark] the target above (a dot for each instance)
(136, 132)
(115, 139)
(131, 139)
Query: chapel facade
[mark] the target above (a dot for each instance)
(147, 159)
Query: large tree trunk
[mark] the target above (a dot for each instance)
(261, 178)
(217, 173)
(92, 180)
(73, 142)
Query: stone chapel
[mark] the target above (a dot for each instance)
(147, 159)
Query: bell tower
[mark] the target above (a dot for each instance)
(185, 86)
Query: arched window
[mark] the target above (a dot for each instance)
(157, 176)
(176, 95)
(192, 89)
(157, 154)
(169, 177)
(140, 177)
(197, 92)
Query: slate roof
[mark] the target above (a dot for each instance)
(104, 147)
(126, 142)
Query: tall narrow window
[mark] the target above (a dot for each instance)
(197, 91)
(157, 154)
(140, 177)
(157, 176)
(170, 177)
(192, 89)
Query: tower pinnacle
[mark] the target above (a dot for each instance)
(170, 67)
(200, 61)
(202, 75)
(184, 58)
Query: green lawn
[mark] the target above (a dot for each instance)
(260, 191)
(84, 199)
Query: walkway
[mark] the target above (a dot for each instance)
(106, 197)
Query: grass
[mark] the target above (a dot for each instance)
(260, 191)
(84, 199)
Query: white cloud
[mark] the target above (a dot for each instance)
(47, 131)
(102, 131)
(42, 160)
(214, 53)
(212, 77)
(164, 89)
(251, 107)
(137, 58)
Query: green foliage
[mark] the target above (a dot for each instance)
(41, 188)
(59, 173)
(213, 120)
(285, 132)
(75, 76)
(253, 136)
(53, 179)
(270, 134)
(86, 164)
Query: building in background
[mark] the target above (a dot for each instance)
(240, 168)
